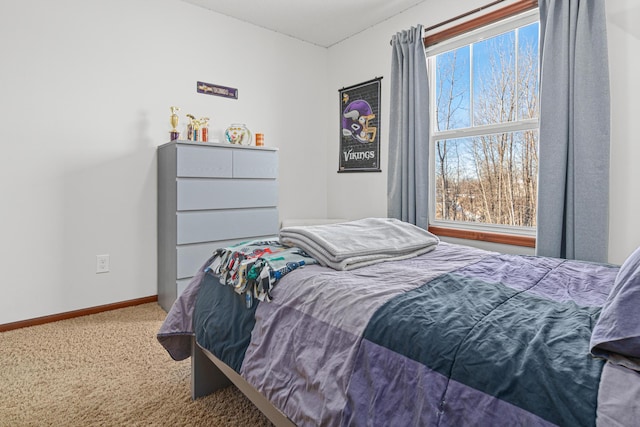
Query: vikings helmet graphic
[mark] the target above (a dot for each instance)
(355, 121)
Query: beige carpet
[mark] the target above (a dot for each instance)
(106, 369)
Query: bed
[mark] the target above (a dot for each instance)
(449, 336)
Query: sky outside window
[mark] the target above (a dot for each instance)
(496, 72)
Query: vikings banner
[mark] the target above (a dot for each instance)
(360, 127)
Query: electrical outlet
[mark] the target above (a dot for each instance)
(102, 263)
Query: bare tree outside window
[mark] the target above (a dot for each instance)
(488, 90)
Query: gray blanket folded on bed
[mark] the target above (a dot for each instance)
(355, 244)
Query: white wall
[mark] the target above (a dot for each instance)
(623, 33)
(85, 90)
(361, 58)
(368, 54)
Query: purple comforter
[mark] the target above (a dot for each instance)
(414, 342)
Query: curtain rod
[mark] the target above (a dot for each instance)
(462, 15)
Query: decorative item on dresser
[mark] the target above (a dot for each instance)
(210, 195)
(238, 133)
(174, 134)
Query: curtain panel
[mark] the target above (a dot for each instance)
(408, 169)
(573, 186)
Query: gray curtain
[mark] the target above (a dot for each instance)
(408, 169)
(573, 185)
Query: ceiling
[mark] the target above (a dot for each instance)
(320, 22)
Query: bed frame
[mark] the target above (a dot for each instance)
(208, 374)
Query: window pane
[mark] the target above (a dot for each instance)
(528, 71)
(494, 80)
(452, 89)
(489, 179)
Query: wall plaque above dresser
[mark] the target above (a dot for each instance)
(210, 195)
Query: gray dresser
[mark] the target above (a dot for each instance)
(210, 195)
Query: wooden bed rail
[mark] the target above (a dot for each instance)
(208, 374)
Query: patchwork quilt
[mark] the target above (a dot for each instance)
(457, 336)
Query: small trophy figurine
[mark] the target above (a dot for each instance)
(196, 130)
(204, 129)
(190, 127)
(174, 124)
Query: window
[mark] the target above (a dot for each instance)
(484, 128)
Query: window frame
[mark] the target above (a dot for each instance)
(505, 234)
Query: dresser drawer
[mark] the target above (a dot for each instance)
(206, 162)
(181, 285)
(208, 226)
(255, 164)
(191, 257)
(199, 194)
